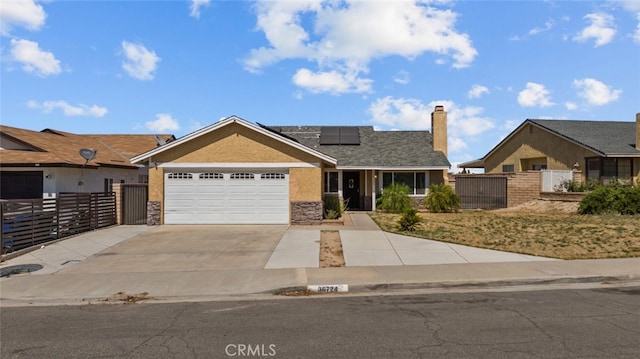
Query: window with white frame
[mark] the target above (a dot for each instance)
(417, 181)
(180, 175)
(242, 175)
(273, 176)
(330, 182)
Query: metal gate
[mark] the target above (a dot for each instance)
(134, 203)
(482, 192)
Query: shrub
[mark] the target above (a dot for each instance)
(441, 198)
(612, 199)
(573, 186)
(395, 198)
(332, 207)
(409, 220)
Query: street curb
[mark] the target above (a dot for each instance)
(496, 283)
(354, 289)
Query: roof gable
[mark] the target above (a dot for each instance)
(58, 148)
(226, 122)
(608, 138)
(604, 137)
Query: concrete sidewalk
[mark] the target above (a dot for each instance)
(375, 261)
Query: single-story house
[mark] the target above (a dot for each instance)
(39, 164)
(235, 171)
(602, 150)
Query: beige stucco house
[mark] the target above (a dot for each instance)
(602, 150)
(238, 172)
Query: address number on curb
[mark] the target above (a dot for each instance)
(332, 288)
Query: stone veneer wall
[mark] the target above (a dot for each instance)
(306, 212)
(153, 213)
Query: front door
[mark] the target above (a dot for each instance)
(351, 189)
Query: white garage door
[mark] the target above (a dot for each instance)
(217, 197)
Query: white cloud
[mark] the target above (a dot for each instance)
(595, 92)
(345, 36)
(534, 95)
(139, 63)
(69, 110)
(548, 25)
(402, 78)
(456, 144)
(570, 106)
(33, 59)
(195, 7)
(411, 114)
(24, 13)
(477, 91)
(163, 122)
(636, 34)
(629, 5)
(333, 82)
(602, 29)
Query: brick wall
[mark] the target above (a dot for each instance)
(117, 188)
(523, 187)
(306, 212)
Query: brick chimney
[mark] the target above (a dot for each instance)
(439, 129)
(638, 131)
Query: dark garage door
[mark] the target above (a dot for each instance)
(20, 184)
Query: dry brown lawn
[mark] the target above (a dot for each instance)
(528, 230)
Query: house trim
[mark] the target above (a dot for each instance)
(228, 121)
(390, 168)
(273, 165)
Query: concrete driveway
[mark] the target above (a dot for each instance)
(187, 248)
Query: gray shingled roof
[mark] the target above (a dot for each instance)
(605, 137)
(376, 149)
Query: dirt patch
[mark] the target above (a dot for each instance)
(331, 254)
(540, 228)
(122, 297)
(544, 206)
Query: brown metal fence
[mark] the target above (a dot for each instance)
(31, 222)
(134, 203)
(482, 192)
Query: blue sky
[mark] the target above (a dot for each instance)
(176, 66)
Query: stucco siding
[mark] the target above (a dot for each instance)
(234, 143)
(534, 143)
(305, 184)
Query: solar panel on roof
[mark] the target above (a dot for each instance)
(330, 136)
(349, 136)
(339, 136)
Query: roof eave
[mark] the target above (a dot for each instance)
(394, 168)
(225, 122)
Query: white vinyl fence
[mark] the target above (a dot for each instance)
(552, 179)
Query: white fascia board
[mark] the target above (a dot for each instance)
(171, 165)
(622, 155)
(226, 121)
(427, 168)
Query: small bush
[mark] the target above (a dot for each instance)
(409, 220)
(395, 198)
(612, 199)
(441, 198)
(573, 186)
(332, 207)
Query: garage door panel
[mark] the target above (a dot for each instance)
(215, 197)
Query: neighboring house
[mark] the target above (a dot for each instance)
(234, 171)
(40, 164)
(602, 150)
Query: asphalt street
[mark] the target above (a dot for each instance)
(601, 322)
